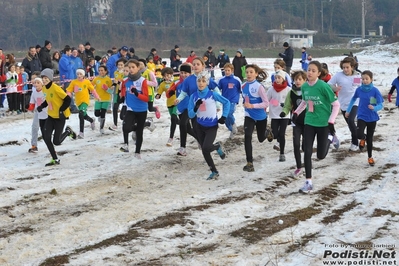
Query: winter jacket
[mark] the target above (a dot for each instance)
(45, 58)
(31, 64)
(65, 68)
(239, 62)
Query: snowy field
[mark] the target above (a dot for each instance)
(104, 207)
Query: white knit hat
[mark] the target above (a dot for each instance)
(81, 71)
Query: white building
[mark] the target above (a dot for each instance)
(99, 9)
(296, 38)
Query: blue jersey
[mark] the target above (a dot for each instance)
(395, 83)
(133, 103)
(367, 95)
(230, 87)
(207, 112)
(250, 91)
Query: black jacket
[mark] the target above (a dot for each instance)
(31, 64)
(239, 62)
(288, 56)
(211, 57)
(45, 58)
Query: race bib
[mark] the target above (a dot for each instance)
(76, 89)
(50, 106)
(202, 107)
(274, 102)
(310, 106)
(105, 87)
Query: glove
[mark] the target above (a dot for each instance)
(294, 117)
(300, 61)
(331, 129)
(113, 85)
(134, 91)
(280, 54)
(61, 115)
(171, 93)
(282, 104)
(390, 98)
(222, 120)
(282, 114)
(39, 108)
(122, 99)
(197, 105)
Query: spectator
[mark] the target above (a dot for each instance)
(191, 57)
(114, 50)
(173, 54)
(31, 62)
(105, 57)
(65, 67)
(176, 63)
(154, 55)
(44, 55)
(288, 57)
(132, 55)
(55, 60)
(111, 64)
(212, 60)
(88, 51)
(2, 78)
(222, 59)
(239, 63)
(10, 60)
(38, 47)
(82, 53)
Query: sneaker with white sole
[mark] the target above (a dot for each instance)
(269, 135)
(151, 127)
(93, 125)
(276, 147)
(307, 188)
(249, 167)
(353, 147)
(113, 128)
(281, 158)
(53, 162)
(170, 142)
(81, 135)
(234, 129)
(334, 141)
(182, 151)
(137, 155)
(102, 131)
(124, 148)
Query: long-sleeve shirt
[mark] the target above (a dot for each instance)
(276, 100)
(37, 98)
(348, 86)
(102, 86)
(255, 93)
(207, 112)
(135, 103)
(367, 95)
(81, 89)
(164, 87)
(230, 87)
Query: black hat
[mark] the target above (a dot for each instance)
(131, 50)
(38, 46)
(176, 46)
(109, 52)
(185, 68)
(286, 44)
(87, 43)
(97, 58)
(209, 47)
(46, 42)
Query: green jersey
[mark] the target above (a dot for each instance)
(318, 100)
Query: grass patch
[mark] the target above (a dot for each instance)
(379, 212)
(337, 214)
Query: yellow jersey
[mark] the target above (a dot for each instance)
(81, 89)
(102, 85)
(55, 96)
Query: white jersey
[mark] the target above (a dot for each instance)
(349, 85)
(37, 98)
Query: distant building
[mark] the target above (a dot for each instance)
(296, 38)
(100, 9)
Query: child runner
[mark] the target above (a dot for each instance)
(255, 105)
(167, 74)
(230, 86)
(395, 86)
(102, 84)
(118, 78)
(58, 103)
(276, 96)
(184, 125)
(135, 92)
(202, 105)
(318, 98)
(188, 87)
(292, 101)
(370, 103)
(279, 64)
(81, 88)
(344, 83)
(152, 84)
(39, 119)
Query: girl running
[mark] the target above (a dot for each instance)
(103, 86)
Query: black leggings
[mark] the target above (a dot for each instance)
(82, 118)
(249, 126)
(13, 100)
(185, 128)
(297, 132)
(351, 124)
(173, 124)
(100, 113)
(56, 125)
(115, 109)
(134, 121)
(361, 125)
(279, 126)
(206, 137)
(323, 144)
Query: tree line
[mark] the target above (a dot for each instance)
(194, 23)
